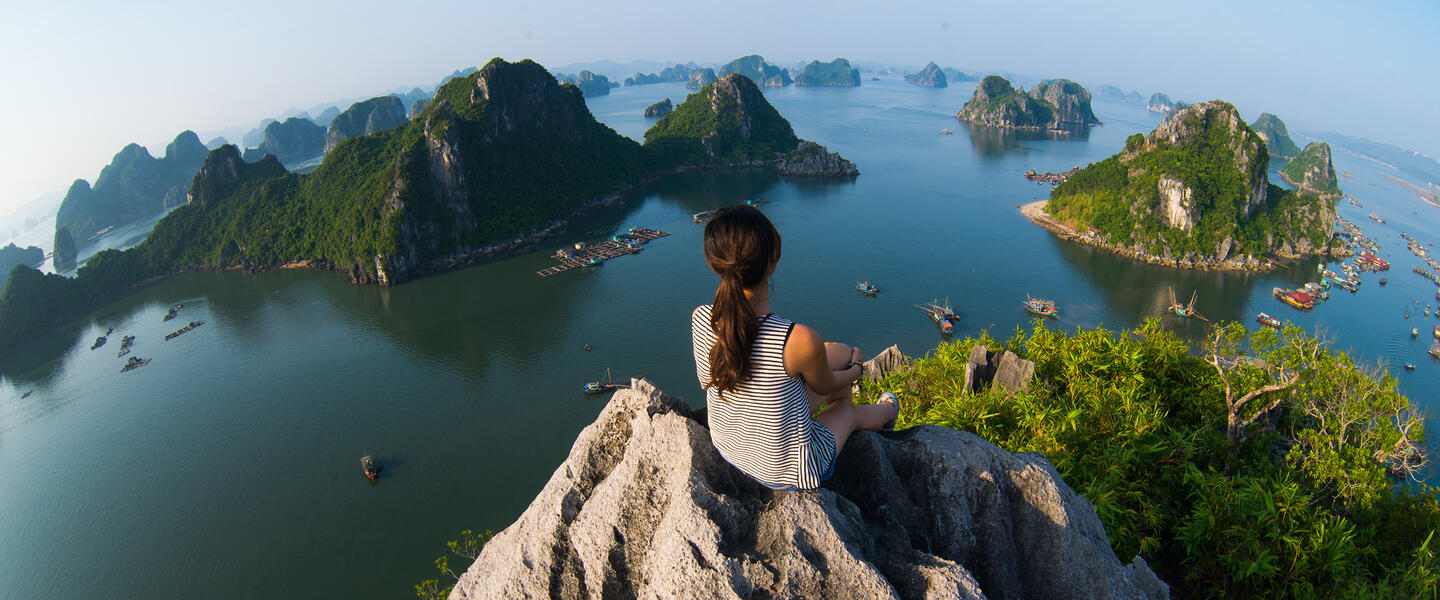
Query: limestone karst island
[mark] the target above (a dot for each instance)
(545, 301)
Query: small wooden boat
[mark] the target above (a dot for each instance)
(369, 467)
(1041, 307)
(1185, 310)
(608, 385)
(946, 132)
(26, 394)
(170, 315)
(1435, 351)
(135, 362)
(1409, 366)
(1414, 332)
(703, 216)
(867, 288)
(1437, 332)
(1268, 320)
(100, 341)
(1382, 281)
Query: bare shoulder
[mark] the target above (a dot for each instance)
(803, 338)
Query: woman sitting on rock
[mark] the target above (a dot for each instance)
(764, 376)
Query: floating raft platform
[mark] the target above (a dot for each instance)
(599, 252)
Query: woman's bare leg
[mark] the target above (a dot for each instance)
(845, 417)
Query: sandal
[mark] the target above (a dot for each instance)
(890, 425)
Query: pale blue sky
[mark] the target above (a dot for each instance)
(85, 78)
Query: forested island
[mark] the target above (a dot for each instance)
(836, 73)
(1312, 171)
(759, 71)
(498, 156)
(1055, 104)
(1276, 136)
(930, 76)
(292, 141)
(1195, 193)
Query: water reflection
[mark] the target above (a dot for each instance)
(995, 142)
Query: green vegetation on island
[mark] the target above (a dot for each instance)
(1160, 103)
(1311, 171)
(501, 153)
(727, 121)
(1196, 185)
(1058, 104)
(1300, 495)
(292, 141)
(836, 73)
(659, 109)
(700, 78)
(1276, 136)
(364, 118)
(12, 256)
(133, 186)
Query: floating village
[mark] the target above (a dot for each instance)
(127, 343)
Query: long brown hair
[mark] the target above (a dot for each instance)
(740, 246)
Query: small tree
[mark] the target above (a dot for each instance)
(1256, 382)
(469, 546)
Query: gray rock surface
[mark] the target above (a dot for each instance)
(659, 109)
(1014, 373)
(812, 159)
(977, 368)
(931, 76)
(645, 507)
(889, 360)
(700, 78)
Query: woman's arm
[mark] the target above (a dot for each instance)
(805, 355)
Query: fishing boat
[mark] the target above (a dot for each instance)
(1409, 366)
(369, 468)
(1299, 300)
(26, 394)
(99, 341)
(1437, 332)
(1041, 307)
(946, 132)
(1268, 320)
(135, 362)
(867, 288)
(1382, 281)
(941, 314)
(1435, 351)
(608, 385)
(1185, 310)
(1414, 332)
(170, 315)
(703, 216)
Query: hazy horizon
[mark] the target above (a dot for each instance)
(88, 78)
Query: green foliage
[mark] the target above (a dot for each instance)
(1120, 197)
(707, 127)
(1277, 136)
(1137, 424)
(1315, 156)
(834, 73)
(468, 546)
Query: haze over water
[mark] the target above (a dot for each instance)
(228, 466)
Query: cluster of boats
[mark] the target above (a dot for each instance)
(943, 316)
(125, 344)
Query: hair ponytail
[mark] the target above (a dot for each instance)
(741, 246)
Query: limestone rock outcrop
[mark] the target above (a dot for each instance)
(811, 159)
(592, 84)
(1160, 103)
(1312, 171)
(133, 186)
(1277, 137)
(645, 507)
(753, 66)
(659, 109)
(291, 141)
(700, 78)
(364, 118)
(1058, 104)
(836, 73)
(931, 76)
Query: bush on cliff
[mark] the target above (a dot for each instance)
(1137, 424)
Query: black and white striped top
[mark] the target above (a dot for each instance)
(763, 426)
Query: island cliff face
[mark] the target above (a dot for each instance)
(1052, 105)
(291, 142)
(1277, 138)
(1311, 171)
(836, 73)
(592, 84)
(133, 186)
(729, 123)
(659, 109)
(700, 78)
(1160, 103)
(645, 507)
(931, 76)
(762, 73)
(1195, 192)
(364, 118)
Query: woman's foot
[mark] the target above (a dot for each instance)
(891, 398)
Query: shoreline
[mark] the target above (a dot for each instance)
(1035, 212)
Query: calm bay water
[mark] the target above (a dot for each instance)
(227, 468)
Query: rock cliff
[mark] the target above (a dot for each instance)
(1160, 103)
(1277, 138)
(291, 142)
(955, 75)
(593, 85)
(1071, 101)
(700, 78)
(931, 76)
(668, 74)
(224, 170)
(836, 73)
(729, 123)
(1196, 189)
(133, 186)
(364, 118)
(753, 66)
(12, 256)
(64, 256)
(1311, 171)
(659, 109)
(1052, 105)
(645, 507)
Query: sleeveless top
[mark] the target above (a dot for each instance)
(763, 426)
